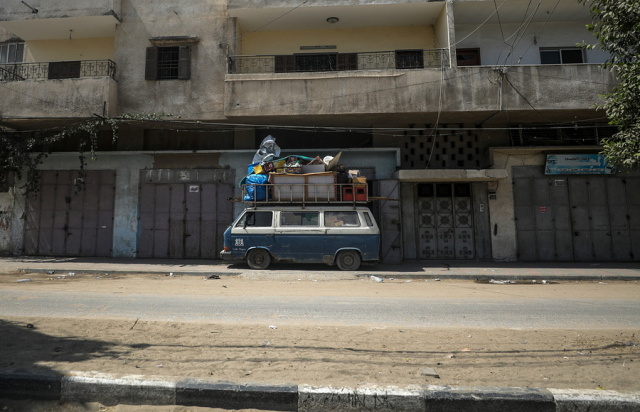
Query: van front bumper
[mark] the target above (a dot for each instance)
(226, 255)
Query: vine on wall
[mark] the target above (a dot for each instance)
(21, 153)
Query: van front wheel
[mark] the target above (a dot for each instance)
(258, 259)
(348, 260)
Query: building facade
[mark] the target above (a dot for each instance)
(456, 111)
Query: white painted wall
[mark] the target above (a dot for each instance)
(497, 50)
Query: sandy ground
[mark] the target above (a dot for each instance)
(334, 355)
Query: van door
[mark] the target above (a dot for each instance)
(299, 237)
(253, 229)
(345, 230)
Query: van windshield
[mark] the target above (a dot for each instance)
(256, 219)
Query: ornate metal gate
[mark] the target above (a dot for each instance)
(445, 221)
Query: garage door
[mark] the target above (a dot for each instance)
(576, 218)
(183, 214)
(64, 221)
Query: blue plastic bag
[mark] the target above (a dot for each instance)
(255, 192)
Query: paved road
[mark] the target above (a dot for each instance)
(409, 312)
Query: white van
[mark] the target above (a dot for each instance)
(342, 235)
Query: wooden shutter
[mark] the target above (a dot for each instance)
(347, 61)
(184, 63)
(151, 67)
(285, 64)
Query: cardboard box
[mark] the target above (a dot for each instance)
(313, 168)
(359, 179)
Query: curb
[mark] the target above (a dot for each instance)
(140, 390)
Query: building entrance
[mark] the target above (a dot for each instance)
(445, 221)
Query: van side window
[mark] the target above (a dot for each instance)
(367, 218)
(256, 219)
(299, 218)
(336, 219)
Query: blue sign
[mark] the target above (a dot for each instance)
(578, 164)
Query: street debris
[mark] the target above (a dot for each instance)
(134, 324)
(501, 282)
(266, 343)
(429, 372)
(273, 327)
(376, 279)
(213, 277)
(23, 280)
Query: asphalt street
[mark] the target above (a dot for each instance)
(352, 311)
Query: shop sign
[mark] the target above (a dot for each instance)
(577, 164)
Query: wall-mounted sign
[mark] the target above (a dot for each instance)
(577, 164)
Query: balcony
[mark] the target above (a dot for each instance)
(57, 70)
(59, 19)
(331, 62)
(58, 90)
(460, 94)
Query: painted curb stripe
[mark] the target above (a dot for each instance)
(228, 395)
(140, 390)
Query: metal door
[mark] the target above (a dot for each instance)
(576, 218)
(183, 220)
(445, 221)
(62, 220)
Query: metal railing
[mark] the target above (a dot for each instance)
(304, 193)
(57, 70)
(322, 62)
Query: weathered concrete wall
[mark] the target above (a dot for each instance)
(465, 89)
(49, 9)
(251, 4)
(502, 213)
(197, 98)
(59, 98)
(6, 209)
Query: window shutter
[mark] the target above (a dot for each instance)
(184, 63)
(285, 64)
(151, 67)
(347, 61)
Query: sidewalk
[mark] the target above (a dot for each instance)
(419, 270)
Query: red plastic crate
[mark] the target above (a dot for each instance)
(360, 193)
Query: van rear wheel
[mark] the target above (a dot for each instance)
(348, 260)
(258, 259)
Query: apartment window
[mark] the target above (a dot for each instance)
(167, 63)
(11, 52)
(409, 59)
(561, 55)
(468, 57)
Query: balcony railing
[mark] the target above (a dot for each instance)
(57, 70)
(328, 62)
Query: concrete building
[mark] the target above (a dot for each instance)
(477, 116)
